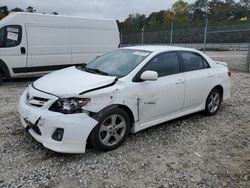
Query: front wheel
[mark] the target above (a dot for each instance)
(213, 102)
(111, 131)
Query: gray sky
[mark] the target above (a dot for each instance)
(114, 9)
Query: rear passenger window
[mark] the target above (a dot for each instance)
(164, 64)
(192, 61)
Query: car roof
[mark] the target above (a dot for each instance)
(160, 48)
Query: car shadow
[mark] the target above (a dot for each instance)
(19, 80)
(90, 150)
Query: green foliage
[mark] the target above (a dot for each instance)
(181, 12)
(245, 3)
(3, 12)
(16, 10)
(157, 25)
(30, 9)
(189, 22)
(184, 15)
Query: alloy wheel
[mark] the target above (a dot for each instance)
(112, 130)
(214, 102)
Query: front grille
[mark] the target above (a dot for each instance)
(40, 99)
(36, 101)
(36, 105)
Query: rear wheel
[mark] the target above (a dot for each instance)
(213, 102)
(111, 131)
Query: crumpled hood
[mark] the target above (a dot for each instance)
(71, 82)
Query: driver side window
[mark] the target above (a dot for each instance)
(164, 64)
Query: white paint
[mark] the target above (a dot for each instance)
(74, 80)
(151, 102)
(141, 53)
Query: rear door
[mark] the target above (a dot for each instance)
(199, 79)
(13, 48)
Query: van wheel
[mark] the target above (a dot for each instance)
(111, 131)
(213, 102)
(1, 78)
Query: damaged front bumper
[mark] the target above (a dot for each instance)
(42, 124)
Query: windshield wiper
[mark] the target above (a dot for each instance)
(96, 71)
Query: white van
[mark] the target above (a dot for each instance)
(35, 44)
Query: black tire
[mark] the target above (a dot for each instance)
(1, 77)
(212, 106)
(99, 133)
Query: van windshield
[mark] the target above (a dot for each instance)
(117, 63)
(10, 36)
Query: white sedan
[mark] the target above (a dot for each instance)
(126, 90)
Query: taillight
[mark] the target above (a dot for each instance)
(229, 72)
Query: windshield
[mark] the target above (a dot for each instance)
(10, 36)
(117, 63)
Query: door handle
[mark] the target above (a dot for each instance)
(23, 50)
(210, 75)
(180, 81)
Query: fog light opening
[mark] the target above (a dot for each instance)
(58, 134)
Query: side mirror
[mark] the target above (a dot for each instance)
(149, 76)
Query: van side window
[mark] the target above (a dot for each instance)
(10, 36)
(164, 64)
(193, 61)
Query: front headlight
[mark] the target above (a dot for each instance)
(70, 105)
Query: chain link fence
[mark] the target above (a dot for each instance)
(248, 59)
(213, 38)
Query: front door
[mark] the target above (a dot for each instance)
(165, 96)
(13, 48)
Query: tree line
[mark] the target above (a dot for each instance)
(185, 15)
(4, 11)
(189, 21)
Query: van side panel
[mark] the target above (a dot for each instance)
(48, 45)
(53, 42)
(87, 44)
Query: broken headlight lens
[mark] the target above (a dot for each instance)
(69, 106)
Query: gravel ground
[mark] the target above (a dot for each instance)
(194, 151)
